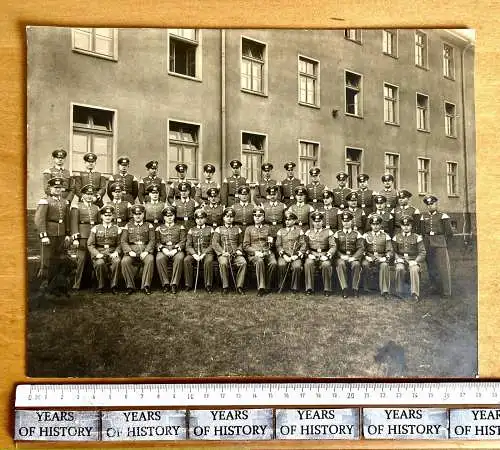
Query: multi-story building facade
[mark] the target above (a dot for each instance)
(372, 101)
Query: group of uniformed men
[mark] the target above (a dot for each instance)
(281, 228)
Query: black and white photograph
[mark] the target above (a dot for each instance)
(251, 202)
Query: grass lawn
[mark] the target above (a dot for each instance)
(200, 335)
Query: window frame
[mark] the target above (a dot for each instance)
(452, 75)
(398, 168)
(427, 128)
(265, 66)
(457, 187)
(358, 39)
(361, 102)
(395, 35)
(394, 101)
(316, 78)
(264, 150)
(351, 180)
(425, 47)
(198, 54)
(428, 172)
(446, 115)
(113, 57)
(198, 152)
(301, 158)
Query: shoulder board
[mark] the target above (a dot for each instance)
(162, 181)
(301, 233)
(387, 237)
(190, 232)
(129, 205)
(74, 206)
(111, 178)
(308, 232)
(225, 180)
(150, 227)
(217, 230)
(336, 234)
(419, 238)
(141, 181)
(311, 209)
(363, 213)
(119, 230)
(157, 228)
(43, 201)
(196, 203)
(392, 210)
(375, 193)
(365, 235)
(198, 185)
(93, 230)
(359, 235)
(134, 179)
(173, 204)
(416, 211)
(330, 233)
(125, 227)
(278, 233)
(218, 186)
(394, 238)
(445, 216)
(339, 212)
(422, 217)
(278, 183)
(390, 216)
(47, 171)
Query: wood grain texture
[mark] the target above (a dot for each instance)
(15, 15)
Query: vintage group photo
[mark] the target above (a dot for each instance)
(211, 202)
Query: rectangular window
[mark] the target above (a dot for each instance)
(184, 52)
(353, 34)
(452, 178)
(421, 49)
(92, 132)
(253, 150)
(422, 112)
(391, 166)
(391, 104)
(353, 94)
(449, 119)
(101, 42)
(308, 81)
(183, 147)
(353, 164)
(448, 61)
(253, 66)
(424, 175)
(308, 158)
(390, 42)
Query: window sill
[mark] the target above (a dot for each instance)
(423, 194)
(449, 78)
(353, 40)
(422, 67)
(310, 105)
(421, 130)
(357, 116)
(96, 55)
(450, 136)
(248, 91)
(394, 124)
(186, 77)
(391, 55)
(453, 196)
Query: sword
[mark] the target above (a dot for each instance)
(287, 269)
(230, 263)
(197, 265)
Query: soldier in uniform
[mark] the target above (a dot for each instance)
(173, 190)
(152, 179)
(261, 194)
(378, 253)
(83, 216)
(213, 208)
(350, 248)
(365, 195)
(170, 245)
(104, 249)
(330, 212)
(154, 207)
(291, 248)
(138, 244)
(315, 188)
(301, 209)
(289, 184)
(92, 178)
(243, 209)
(227, 242)
(320, 249)
(409, 253)
(390, 194)
(274, 210)
(359, 216)
(341, 191)
(52, 222)
(229, 191)
(122, 207)
(436, 230)
(257, 245)
(404, 209)
(58, 171)
(199, 249)
(387, 224)
(185, 206)
(201, 190)
(127, 181)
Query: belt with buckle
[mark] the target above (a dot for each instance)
(362, 205)
(214, 224)
(375, 254)
(300, 224)
(138, 243)
(118, 220)
(83, 223)
(169, 243)
(106, 246)
(432, 233)
(348, 252)
(342, 205)
(155, 221)
(406, 255)
(319, 250)
(274, 223)
(186, 218)
(315, 200)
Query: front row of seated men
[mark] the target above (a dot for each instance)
(179, 252)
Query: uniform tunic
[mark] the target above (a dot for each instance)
(200, 194)
(319, 243)
(128, 183)
(339, 197)
(105, 239)
(261, 194)
(94, 179)
(243, 215)
(153, 212)
(387, 224)
(122, 211)
(349, 244)
(229, 190)
(258, 238)
(214, 214)
(408, 247)
(399, 212)
(288, 186)
(365, 200)
(302, 211)
(230, 240)
(290, 242)
(359, 220)
(273, 215)
(199, 241)
(138, 237)
(144, 183)
(173, 192)
(184, 212)
(68, 183)
(315, 192)
(377, 245)
(170, 237)
(330, 217)
(391, 196)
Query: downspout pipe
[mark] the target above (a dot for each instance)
(223, 104)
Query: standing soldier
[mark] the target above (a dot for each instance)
(291, 248)
(227, 242)
(104, 249)
(436, 230)
(83, 216)
(378, 253)
(58, 171)
(274, 211)
(122, 207)
(173, 191)
(52, 222)
(359, 216)
(365, 195)
(315, 188)
(350, 248)
(289, 184)
(266, 181)
(171, 243)
(243, 209)
(128, 183)
(229, 191)
(404, 209)
(301, 209)
(185, 206)
(92, 178)
(330, 212)
(199, 249)
(154, 207)
(341, 192)
(152, 179)
(390, 194)
(320, 249)
(257, 245)
(213, 208)
(409, 253)
(201, 191)
(387, 224)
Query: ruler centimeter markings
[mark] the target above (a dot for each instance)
(258, 394)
